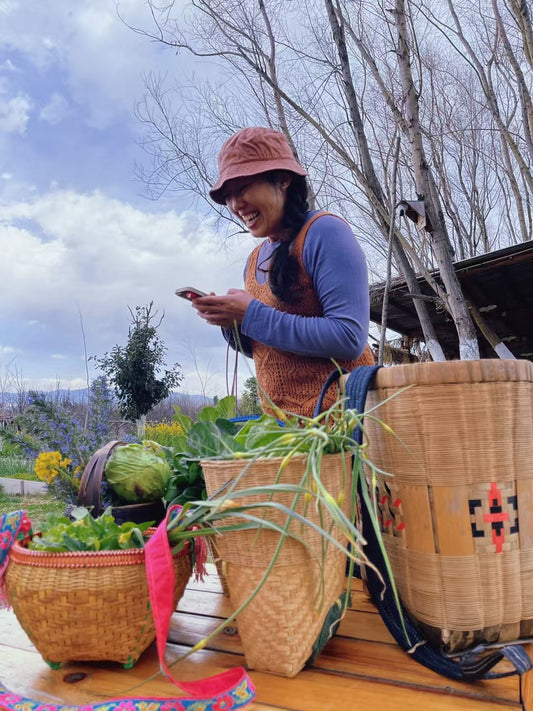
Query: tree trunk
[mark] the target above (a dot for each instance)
(373, 186)
(428, 330)
(141, 427)
(427, 191)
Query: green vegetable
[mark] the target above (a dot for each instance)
(136, 474)
(85, 533)
(212, 435)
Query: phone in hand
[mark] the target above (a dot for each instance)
(189, 292)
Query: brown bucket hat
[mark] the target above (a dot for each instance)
(251, 151)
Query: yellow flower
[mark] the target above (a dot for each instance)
(124, 538)
(163, 431)
(49, 465)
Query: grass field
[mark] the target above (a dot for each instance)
(36, 507)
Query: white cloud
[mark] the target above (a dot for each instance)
(9, 66)
(6, 350)
(69, 256)
(7, 6)
(103, 60)
(15, 113)
(56, 110)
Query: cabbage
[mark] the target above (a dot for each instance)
(136, 474)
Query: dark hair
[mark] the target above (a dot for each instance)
(283, 272)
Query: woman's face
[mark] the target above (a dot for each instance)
(258, 203)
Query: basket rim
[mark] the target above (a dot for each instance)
(82, 559)
(455, 372)
(265, 461)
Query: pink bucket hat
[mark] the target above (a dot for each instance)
(251, 151)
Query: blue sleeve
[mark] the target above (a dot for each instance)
(337, 267)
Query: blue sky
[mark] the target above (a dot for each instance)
(79, 242)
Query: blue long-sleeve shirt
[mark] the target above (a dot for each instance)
(336, 265)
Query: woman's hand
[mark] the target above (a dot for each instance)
(225, 310)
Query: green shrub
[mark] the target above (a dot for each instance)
(17, 468)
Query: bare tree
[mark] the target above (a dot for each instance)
(341, 78)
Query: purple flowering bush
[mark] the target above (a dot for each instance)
(47, 425)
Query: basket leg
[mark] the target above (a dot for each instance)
(53, 665)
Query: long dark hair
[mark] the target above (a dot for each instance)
(283, 272)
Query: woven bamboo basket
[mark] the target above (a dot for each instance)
(281, 624)
(89, 494)
(86, 606)
(456, 516)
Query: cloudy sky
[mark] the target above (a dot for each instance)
(79, 242)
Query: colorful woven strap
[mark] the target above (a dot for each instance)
(14, 702)
(219, 689)
(13, 525)
(232, 689)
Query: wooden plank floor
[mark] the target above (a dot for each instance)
(360, 668)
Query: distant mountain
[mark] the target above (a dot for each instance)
(80, 396)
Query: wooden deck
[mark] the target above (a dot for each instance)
(360, 668)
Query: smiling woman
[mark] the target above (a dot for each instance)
(305, 306)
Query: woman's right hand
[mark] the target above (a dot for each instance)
(225, 310)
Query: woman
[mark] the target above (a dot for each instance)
(306, 291)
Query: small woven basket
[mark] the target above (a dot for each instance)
(280, 625)
(86, 606)
(89, 494)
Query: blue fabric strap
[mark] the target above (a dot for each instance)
(471, 666)
(333, 377)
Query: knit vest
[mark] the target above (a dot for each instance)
(293, 382)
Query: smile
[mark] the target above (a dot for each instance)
(250, 218)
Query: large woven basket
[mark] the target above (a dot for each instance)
(280, 626)
(456, 515)
(89, 494)
(92, 606)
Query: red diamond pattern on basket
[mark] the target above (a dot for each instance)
(390, 510)
(494, 516)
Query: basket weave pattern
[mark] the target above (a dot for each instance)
(279, 627)
(456, 515)
(90, 606)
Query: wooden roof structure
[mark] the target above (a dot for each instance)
(499, 284)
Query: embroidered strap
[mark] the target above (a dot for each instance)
(13, 525)
(14, 702)
(232, 685)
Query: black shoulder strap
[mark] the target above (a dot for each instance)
(471, 666)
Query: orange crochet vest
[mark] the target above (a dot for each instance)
(293, 382)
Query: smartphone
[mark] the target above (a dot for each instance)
(189, 292)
